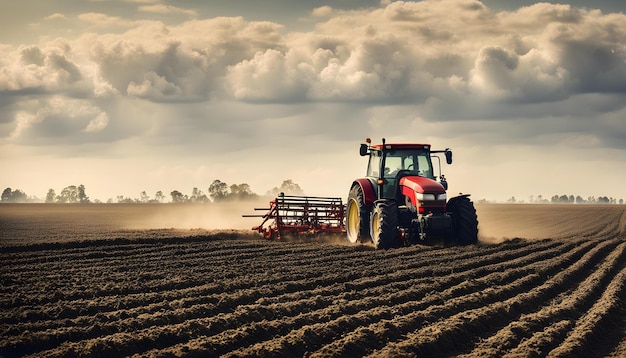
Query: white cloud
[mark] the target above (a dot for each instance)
(322, 11)
(66, 117)
(154, 87)
(23, 121)
(401, 52)
(97, 124)
(55, 17)
(51, 69)
(267, 76)
(414, 51)
(427, 54)
(167, 9)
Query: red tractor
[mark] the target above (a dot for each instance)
(400, 202)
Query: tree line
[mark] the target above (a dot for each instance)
(218, 191)
(569, 199)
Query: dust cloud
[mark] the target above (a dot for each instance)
(497, 222)
(217, 216)
(501, 222)
(212, 216)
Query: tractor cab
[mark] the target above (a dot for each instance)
(401, 160)
(396, 170)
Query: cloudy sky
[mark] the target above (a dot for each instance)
(127, 96)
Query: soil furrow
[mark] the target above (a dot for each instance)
(469, 294)
(431, 339)
(552, 315)
(166, 293)
(372, 304)
(146, 305)
(600, 320)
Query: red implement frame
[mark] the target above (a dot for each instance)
(301, 215)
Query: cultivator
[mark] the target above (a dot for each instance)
(301, 215)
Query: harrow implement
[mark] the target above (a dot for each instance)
(301, 215)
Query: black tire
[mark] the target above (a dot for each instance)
(465, 221)
(357, 216)
(384, 224)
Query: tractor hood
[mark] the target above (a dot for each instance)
(422, 185)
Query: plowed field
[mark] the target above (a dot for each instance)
(545, 281)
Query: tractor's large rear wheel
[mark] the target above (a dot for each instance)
(465, 221)
(358, 216)
(384, 224)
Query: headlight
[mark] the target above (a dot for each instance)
(424, 197)
(442, 197)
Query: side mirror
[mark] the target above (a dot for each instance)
(363, 150)
(448, 156)
(443, 182)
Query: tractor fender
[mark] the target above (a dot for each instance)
(409, 193)
(368, 189)
(458, 197)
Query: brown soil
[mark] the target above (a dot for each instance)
(545, 281)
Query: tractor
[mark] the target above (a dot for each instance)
(401, 202)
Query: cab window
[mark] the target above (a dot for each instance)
(373, 167)
(424, 166)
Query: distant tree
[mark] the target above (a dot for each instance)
(143, 197)
(579, 199)
(82, 197)
(177, 197)
(241, 192)
(19, 196)
(621, 201)
(512, 200)
(6, 195)
(288, 187)
(159, 197)
(197, 196)
(121, 199)
(218, 190)
(69, 194)
(50, 196)
(13, 196)
(603, 200)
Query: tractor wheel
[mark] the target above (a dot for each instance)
(358, 216)
(384, 224)
(465, 221)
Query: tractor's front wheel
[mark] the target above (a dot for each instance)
(358, 216)
(384, 224)
(465, 221)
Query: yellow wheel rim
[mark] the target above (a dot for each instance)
(375, 228)
(353, 221)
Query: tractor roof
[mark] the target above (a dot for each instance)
(402, 146)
